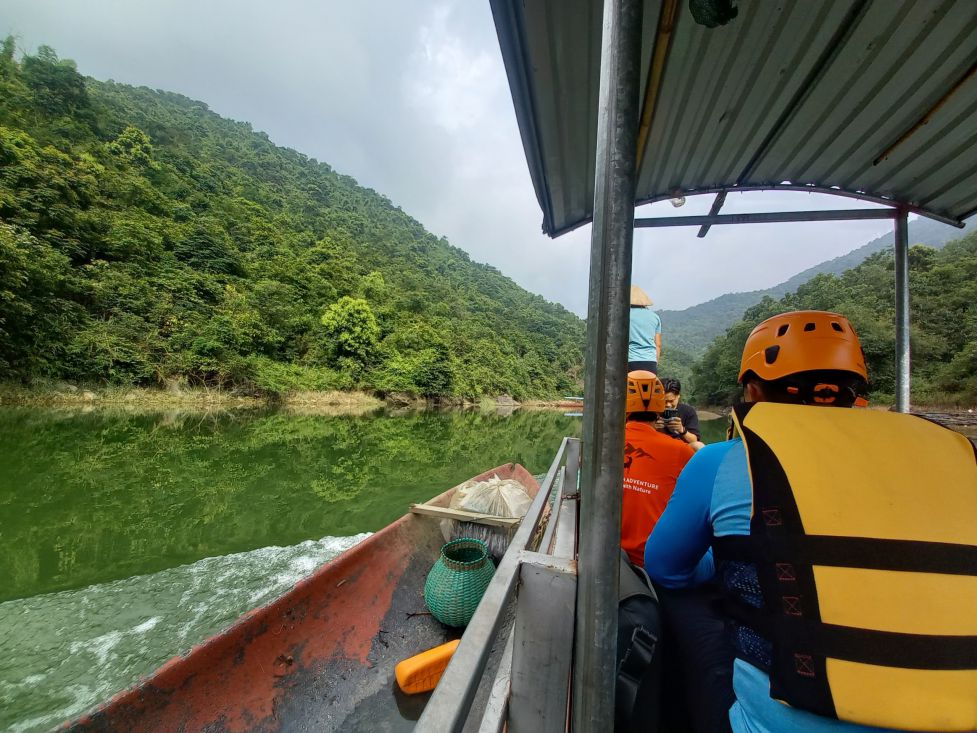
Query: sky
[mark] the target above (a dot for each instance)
(410, 98)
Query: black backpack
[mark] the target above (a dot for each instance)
(637, 694)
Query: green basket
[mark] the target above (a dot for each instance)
(458, 581)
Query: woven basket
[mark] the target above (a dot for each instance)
(458, 581)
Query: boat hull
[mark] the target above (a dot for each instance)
(320, 657)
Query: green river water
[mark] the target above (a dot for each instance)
(128, 538)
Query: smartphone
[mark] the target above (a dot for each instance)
(670, 413)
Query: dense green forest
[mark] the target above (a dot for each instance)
(144, 240)
(943, 311)
(693, 329)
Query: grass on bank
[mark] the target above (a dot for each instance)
(62, 394)
(68, 395)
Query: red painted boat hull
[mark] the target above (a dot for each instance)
(319, 658)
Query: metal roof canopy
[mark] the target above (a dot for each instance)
(858, 98)
(872, 100)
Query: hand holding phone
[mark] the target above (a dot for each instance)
(673, 423)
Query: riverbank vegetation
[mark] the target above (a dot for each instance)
(151, 249)
(146, 241)
(943, 313)
(142, 399)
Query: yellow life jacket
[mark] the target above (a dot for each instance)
(864, 536)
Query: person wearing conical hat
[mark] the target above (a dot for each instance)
(644, 333)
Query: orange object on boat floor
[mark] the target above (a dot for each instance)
(422, 672)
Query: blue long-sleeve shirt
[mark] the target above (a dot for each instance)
(712, 498)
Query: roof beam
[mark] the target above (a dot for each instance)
(808, 188)
(717, 204)
(768, 217)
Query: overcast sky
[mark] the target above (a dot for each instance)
(410, 98)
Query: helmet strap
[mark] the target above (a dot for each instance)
(822, 393)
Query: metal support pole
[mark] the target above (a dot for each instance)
(902, 311)
(602, 470)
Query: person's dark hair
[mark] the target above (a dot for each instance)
(643, 416)
(672, 385)
(820, 387)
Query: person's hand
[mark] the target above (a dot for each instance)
(675, 426)
(660, 424)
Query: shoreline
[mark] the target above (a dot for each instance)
(138, 399)
(143, 398)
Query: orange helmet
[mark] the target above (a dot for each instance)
(645, 392)
(802, 341)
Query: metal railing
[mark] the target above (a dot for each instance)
(524, 694)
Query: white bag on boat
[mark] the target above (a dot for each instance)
(499, 497)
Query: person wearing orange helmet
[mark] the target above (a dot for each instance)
(805, 358)
(652, 463)
(841, 546)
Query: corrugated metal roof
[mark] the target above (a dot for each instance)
(871, 97)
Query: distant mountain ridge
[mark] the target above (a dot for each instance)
(693, 329)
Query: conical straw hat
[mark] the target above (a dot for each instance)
(639, 297)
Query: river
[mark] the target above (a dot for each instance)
(127, 538)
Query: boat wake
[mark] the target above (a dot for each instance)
(62, 653)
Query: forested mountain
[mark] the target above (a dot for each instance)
(943, 312)
(145, 239)
(693, 329)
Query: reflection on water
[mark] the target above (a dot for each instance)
(89, 498)
(126, 539)
(713, 431)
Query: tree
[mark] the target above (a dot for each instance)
(207, 247)
(350, 330)
(133, 147)
(58, 87)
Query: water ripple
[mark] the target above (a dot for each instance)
(62, 653)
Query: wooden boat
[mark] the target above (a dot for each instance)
(321, 657)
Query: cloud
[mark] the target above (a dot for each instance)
(447, 79)
(411, 99)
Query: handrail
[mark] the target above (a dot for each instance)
(449, 706)
(555, 509)
(497, 706)
(567, 480)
